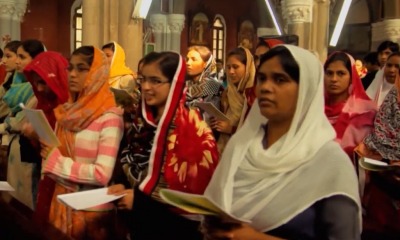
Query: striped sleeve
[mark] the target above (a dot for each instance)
(100, 156)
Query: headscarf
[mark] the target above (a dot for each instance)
(270, 187)
(93, 101)
(385, 137)
(118, 67)
(19, 92)
(188, 166)
(379, 87)
(353, 118)
(272, 42)
(51, 67)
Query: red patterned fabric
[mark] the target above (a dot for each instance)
(352, 119)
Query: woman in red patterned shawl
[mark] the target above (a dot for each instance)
(169, 146)
(348, 108)
(48, 77)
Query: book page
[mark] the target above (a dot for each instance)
(41, 126)
(211, 110)
(87, 199)
(122, 97)
(375, 165)
(194, 203)
(5, 186)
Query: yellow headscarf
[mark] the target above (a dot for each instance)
(118, 67)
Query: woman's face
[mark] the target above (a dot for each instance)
(109, 54)
(78, 70)
(194, 63)
(337, 79)
(24, 58)
(155, 86)
(10, 60)
(235, 70)
(392, 69)
(276, 91)
(42, 88)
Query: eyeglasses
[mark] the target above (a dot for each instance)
(152, 81)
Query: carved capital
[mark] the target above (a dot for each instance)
(176, 22)
(7, 9)
(158, 22)
(386, 30)
(296, 11)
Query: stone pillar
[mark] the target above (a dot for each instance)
(90, 23)
(388, 29)
(320, 28)
(264, 31)
(7, 10)
(158, 24)
(176, 22)
(130, 33)
(298, 15)
(113, 23)
(20, 8)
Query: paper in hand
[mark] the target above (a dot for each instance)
(211, 110)
(5, 186)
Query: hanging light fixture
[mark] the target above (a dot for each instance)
(340, 23)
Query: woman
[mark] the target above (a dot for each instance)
(21, 172)
(49, 81)
(283, 170)
(159, 154)
(347, 106)
(240, 72)
(202, 84)
(89, 127)
(121, 76)
(381, 196)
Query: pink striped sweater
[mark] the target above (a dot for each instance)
(95, 154)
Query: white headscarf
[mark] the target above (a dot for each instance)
(270, 187)
(379, 87)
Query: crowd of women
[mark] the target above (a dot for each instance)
(286, 157)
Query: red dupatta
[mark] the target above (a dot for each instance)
(352, 119)
(184, 147)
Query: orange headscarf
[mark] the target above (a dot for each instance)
(94, 100)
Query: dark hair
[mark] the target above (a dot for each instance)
(240, 53)
(262, 42)
(393, 54)
(13, 46)
(168, 62)
(1, 53)
(286, 59)
(394, 47)
(219, 61)
(109, 46)
(372, 58)
(339, 56)
(87, 52)
(204, 52)
(33, 47)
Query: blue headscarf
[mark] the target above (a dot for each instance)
(20, 92)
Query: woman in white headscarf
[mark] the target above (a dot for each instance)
(282, 170)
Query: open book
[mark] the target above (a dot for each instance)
(41, 126)
(211, 110)
(376, 165)
(5, 186)
(197, 204)
(87, 199)
(122, 97)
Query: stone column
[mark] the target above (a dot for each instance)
(388, 29)
(158, 24)
(20, 8)
(298, 15)
(7, 10)
(176, 22)
(90, 23)
(130, 33)
(320, 28)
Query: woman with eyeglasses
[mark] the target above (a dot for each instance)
(169, 146)
(89, 127)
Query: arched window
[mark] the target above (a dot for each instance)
(218, 43)
(77, 27)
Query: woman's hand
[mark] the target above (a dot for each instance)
(126, 202)
(27, 131)
(221, 126)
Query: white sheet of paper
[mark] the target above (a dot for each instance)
(375, 162)
(212, 110)
(41, 126)
(87, 199)
(5, 186)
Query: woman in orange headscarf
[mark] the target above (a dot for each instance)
(89, 127)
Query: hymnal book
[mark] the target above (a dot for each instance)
(211, 110)
(5, 186)
(41, 126)
(376, 165)
(122, 97)
(196, 204)
(87, 199)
